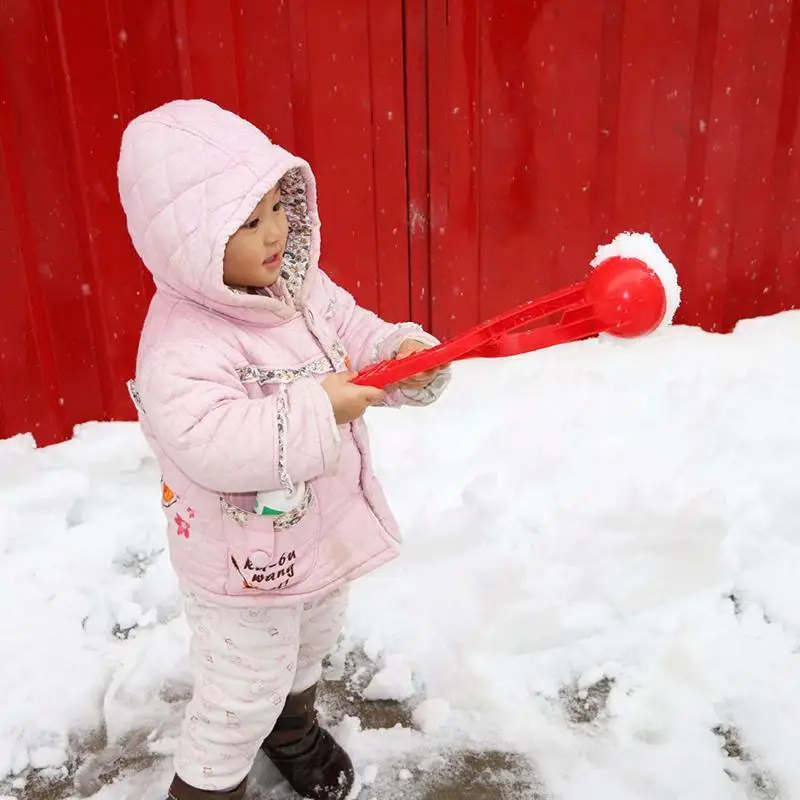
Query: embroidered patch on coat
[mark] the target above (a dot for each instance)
(183, 529)
(168, 497)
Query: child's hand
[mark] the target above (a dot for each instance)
(348, 400)
(407, 348)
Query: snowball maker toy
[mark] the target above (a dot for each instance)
(623, 296)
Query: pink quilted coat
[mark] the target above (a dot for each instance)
(228, 383)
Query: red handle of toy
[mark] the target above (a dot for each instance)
(622, 296)
(387, 373)
(488, 341)
(514, 344)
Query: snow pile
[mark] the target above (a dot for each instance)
(602, 545)
(393, 682)
(81, 567)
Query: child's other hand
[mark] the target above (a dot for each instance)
(348, 400)
(407, 348)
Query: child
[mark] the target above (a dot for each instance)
(243, 387)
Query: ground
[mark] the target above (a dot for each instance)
(460, 775)
(450, 775)
(597, 595)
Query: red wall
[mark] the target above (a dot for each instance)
(470, 155)
(324, 79)
(557, 123)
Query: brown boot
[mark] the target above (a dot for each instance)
(307, 756)
(180, 790)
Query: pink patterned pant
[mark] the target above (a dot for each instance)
(244, 663)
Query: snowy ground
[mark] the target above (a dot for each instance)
(599, 580)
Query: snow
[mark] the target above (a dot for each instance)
(644, 247)
(608, 525)
(370, 774)
(431, 715)
(394, 682)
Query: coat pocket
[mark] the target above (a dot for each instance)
(267, 553)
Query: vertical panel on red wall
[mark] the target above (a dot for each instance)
(128, 105)
(55, 261)
(637, 120)
(207, 31)
(540, 61)
(89, 103)
(388, 118)
(704, 270)
(28, 385)
(120, 60)
(150, 39)
(672, 133)
(264, 46)
(342, 153)
(603, 188)
(516, 132)
(696, 215)
(568, 137)
(761, 80)
(782, 253)
(665, 97)
(455, 164)
(417, 154)
(564, 68)
(440, 109)
(299, 64)
(179, 19)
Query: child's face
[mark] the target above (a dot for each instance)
(254, 253)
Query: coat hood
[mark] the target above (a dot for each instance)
(190, 173)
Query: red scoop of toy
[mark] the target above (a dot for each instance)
(627, 297)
